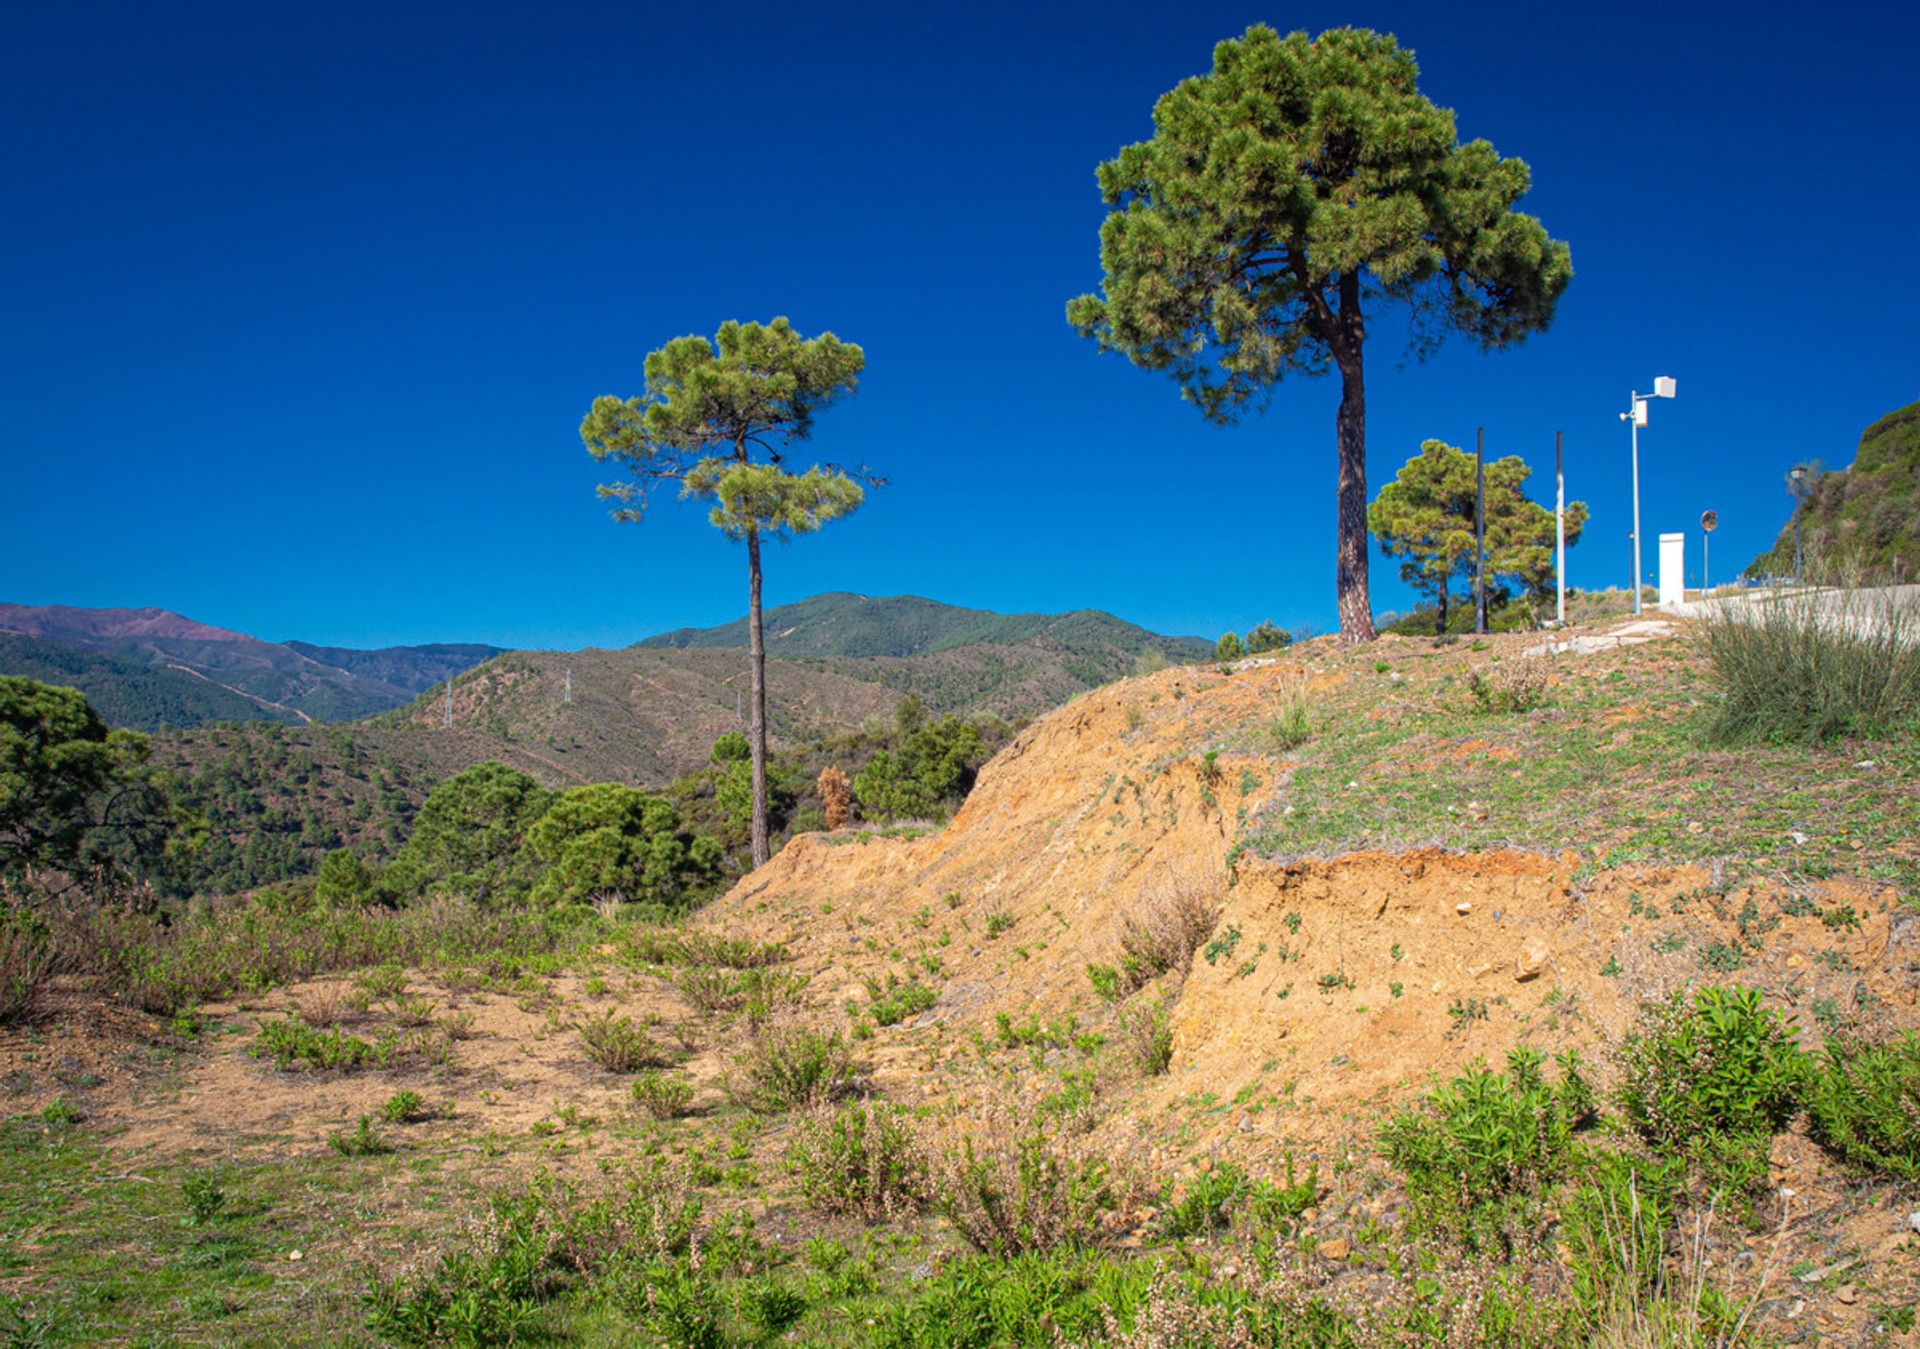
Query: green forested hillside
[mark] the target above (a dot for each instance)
(1866, 515)
(132, 693)
(905, 625)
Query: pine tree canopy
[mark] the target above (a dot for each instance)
(1296, 164)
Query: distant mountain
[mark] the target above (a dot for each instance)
(146, 660)
(651, 712)
(1866, 515)
(130, 692)
(840, 624)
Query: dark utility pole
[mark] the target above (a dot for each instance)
(1480, 529)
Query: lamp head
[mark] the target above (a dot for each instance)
(1664, 386)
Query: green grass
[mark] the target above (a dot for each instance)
(95, 1251)
(1620, 766)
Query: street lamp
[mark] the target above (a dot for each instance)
(1797, 484)
(1636, 417)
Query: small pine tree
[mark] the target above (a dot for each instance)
(1229, 647)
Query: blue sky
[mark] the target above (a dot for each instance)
(304, 304)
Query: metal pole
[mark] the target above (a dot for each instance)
(448, 720)
(1633, 420)
(1706, 564)
(1797, 573)
(1480, 529)
(1559, 530)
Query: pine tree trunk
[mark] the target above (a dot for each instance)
(757, 722)
(1350, 573)
(1440, 628)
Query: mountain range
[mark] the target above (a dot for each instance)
(147, 668)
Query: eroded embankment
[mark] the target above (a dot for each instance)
(1336, 981)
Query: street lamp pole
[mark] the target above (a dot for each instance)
(1559, 531)
(1480, 530)
(1636, 417)
(1797, 483)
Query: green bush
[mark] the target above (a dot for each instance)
(404, 1107)
(364, 1141)
(1863, 1104)
(661, 1096)
(291, 1042)
(896, 1001)
(616, 1044)
(1719, 1063)
(205, 1195)
(864, 1159)
(1480, 1155)
(795, 1068)
(1813, 665)
(982, 1303)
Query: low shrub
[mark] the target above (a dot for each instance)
(1510, 686)
(863, 1159)
(896, 1001)
(1863, 1104)
(1011, 1187)
(613, 1041)
(1146, 1036)
(662, 1096)
(1165, 928)
(979, 1302)
(1811, 665)
(205, 1195)
(1720, 1062)
(1479, 1155)
(1205, 1203)
(540, 1241)
(26, 959)
(364, 1141)
(292, 1043)
(794, 1068)
(404, 1107)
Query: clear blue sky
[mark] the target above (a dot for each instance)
(303, 304)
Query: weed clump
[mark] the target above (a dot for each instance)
(1168, 926)
(1863, 1104)
(364, 1141)
(1812, 665)
(616, 1044)
(795, 1068)
(863, 1159)
(1510, 686)
(292, 1043)
(1013, 1188)
(662, 1096)
(1480, 1155)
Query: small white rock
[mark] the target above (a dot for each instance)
(293, 1255)
(1913, 1220)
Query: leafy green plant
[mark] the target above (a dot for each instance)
(1863, 1103)
(863, 1159)
(1477, 1156)
(205, 1195)
(404, 1107)
(998, 922)
(613, 1041)
(364, 1141)
(1146, 1035)
(291, 1043)
(661, 1095)
(895, 1001)
(1720, 1062)
(795, 1068)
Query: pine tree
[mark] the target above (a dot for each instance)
(715, 419)
(1296, 187)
